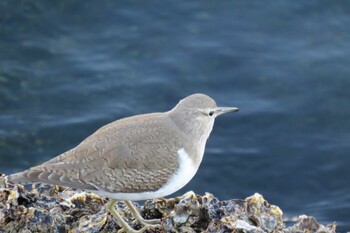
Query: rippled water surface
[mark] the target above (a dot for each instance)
(69, 67)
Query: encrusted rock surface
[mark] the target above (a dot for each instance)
(56, 209)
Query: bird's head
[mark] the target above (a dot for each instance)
(195, 114)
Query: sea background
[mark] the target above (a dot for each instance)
(69, 67)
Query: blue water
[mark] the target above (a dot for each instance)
(69, 67)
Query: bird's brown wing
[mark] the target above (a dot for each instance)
(129, 157)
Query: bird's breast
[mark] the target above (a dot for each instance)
(185, 172)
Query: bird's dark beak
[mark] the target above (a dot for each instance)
(222, 110)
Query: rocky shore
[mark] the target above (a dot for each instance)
(47, 208)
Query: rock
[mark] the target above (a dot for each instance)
(47, 208)
(309, 224)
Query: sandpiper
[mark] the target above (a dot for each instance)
(135, 158)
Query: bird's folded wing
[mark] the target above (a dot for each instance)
(111, 162)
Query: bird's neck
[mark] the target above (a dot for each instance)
(196, 133)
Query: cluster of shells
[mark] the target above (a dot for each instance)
(47, 208)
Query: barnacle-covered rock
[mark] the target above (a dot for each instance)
(309, 224)
(267, 217)
(47, 208)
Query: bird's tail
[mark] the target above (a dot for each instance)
(18, 178)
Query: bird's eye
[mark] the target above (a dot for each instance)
(211, 113)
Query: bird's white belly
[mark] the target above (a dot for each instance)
(179, 179)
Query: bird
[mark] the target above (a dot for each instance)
(135, 158)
